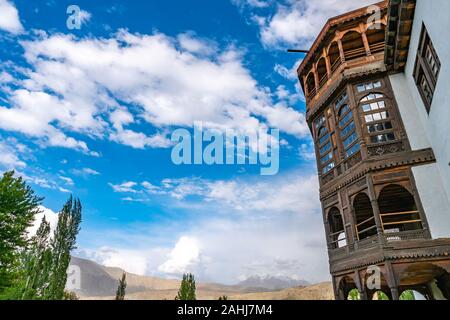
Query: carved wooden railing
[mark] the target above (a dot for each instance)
(377, 47)
(387, 239)
(336, 65)
(355, 53)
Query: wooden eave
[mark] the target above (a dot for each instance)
(398, 33)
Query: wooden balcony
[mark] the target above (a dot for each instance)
(388, 239)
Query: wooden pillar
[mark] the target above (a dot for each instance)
(360, 285)
(316, 77)
(327, 62)
(375, 208)
(305, 84)
(391, 279)
(341, 50)
(364, 38)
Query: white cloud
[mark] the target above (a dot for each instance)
(274, 227)
(9, 17)
(5, 77)
(252, 3)
(168, 81)
(67, 180)
(50, 216)
(284, 193)
(183, 258)
(133, 261)
(298, 22)
(9, 158)
(85, 16)
(125, 187)
(85, 172)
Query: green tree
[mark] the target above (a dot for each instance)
(187, 288)
(61, 245)
(223, 298)
(120, 293)
(37, 262)
(69, 295)
(18, 207)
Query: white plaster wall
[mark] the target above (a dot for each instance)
(434, 199)
(432, 130)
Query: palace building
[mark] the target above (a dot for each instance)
(377, 88)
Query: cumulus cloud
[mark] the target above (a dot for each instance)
(133, 261)
(298, 22)
(280, 194)
(277, 230)
(50, 216)
(9, 156)
(9, 17)
(183, 258)
(108, 88)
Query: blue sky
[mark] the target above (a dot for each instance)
(90, 112)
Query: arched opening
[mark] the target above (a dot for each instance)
(337, 232)
(311, 85)
(353, 45)
(412, 295)
(376, 38)
(322, 72)
(347, 289)
(379, 295)
(430, 281)
(354, 295)
(364, 217)
(398, 210)
(334, 56)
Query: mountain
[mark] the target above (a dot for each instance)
(270, 283)
(100, 283)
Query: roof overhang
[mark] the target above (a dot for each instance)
(398, 33)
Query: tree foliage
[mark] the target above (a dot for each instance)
(61, 245)
(187, 288)
(33, 267)
(18, 207)
(120, 293)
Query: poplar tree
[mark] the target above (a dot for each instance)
(18, 206)
(61, 245)
(120, 293)
(37, 263)
(187, 288)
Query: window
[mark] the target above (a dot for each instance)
(376, 116)
(372, 96)
(379, 127)
(324, 139)
(343, 110)
(368, 86)
(319, 121)
(374, 106)
(352, 138)
(349, 128)
(325, 148)
(326, 158)
(346, 119)
(382, 138)
(341, 100)
(427, 68)
(354, 149)
(328, 168)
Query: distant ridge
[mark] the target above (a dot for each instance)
(100, 283)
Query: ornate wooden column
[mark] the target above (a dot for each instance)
(364, 38)
(327, 62)
(375, 208)
(316, 77)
